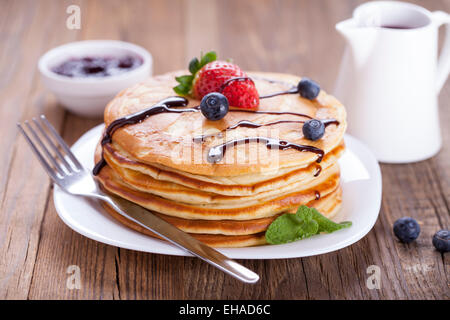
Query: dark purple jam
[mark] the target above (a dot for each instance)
(96, 67)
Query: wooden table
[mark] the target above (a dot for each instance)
(36, 247)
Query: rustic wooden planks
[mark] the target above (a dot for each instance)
(284, 36)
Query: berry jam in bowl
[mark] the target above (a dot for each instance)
(86, 75)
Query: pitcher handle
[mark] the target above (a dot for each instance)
(443, 65)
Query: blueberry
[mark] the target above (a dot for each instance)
(406, 229)
(308, 89)
(313, 129)
(214, 106)
(441, 241)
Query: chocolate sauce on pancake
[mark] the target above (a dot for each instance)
(317, 194)
(161, 107)
(226, 83)
(272, 112)
(293, 90)
(327, 122)
(249, 124)
(289, 91)
(245, 124)
(216, 153)
(318, 170)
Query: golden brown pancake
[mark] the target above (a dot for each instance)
(229, 233)
(173, 191)
(166, 138)
(158, 164)
(327, 205)
(242, 185)
(324, 185)
(141, 182)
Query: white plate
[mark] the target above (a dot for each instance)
(360, 178)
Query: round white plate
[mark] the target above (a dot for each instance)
(360, 179)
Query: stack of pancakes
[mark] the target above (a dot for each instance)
(159, 164)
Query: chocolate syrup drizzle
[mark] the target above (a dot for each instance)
(216, 153)
(318, 170)
(289, 91)
(226, 83)
(293, 90)
(245, 124)
(317, 194)
(272, 112)
(249, 124)
(160, 107)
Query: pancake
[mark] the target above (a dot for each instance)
(241, 185)
(166, 138)
(227, 233)
(323, 185)
(327, 205)
(180, 193)
(161, 162)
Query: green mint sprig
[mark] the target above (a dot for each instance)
(185, 82)
(305, 223)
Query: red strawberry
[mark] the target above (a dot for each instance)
(241, 93)
(209, 75)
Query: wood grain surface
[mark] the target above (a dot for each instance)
(36, 247)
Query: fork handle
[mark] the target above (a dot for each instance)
(182, 240)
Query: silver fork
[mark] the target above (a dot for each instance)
(68, 173)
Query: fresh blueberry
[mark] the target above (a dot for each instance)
(214, 106)
(406, 229)
(308, 89)
(441, 241)
(313, 129)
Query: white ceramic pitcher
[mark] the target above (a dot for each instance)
(391, 76)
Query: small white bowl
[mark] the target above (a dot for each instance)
(89, 96)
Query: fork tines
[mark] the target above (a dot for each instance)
(43, 138)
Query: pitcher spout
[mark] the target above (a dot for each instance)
(346, 27)
(360, 39)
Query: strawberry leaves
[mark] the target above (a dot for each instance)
(185, 85)
(185, 82)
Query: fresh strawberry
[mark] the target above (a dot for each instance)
(241, 93)
(209, 75)
(212, 76)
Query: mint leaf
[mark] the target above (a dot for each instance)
(326, 225)
(305, 223)
(304, 213)
(308, 229)
(284, 229)
(185, 82)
